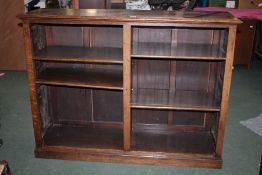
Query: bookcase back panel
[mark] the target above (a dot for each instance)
(105, 36)
(192, 75)
(70, 104)
(175, 75)
(169, 118)
(84, 35)
(151, 74)
(156, 35)
(64, 36)
(107, 106)
(78, 106)
(188, 118)
(149, 117)
(196, 36)
(174, 35)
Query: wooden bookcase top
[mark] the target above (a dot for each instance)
(118, 15)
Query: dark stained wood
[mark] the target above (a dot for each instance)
(196, 72)
(181, 51)
(63, 103)
(140, 116)
(109, 138)
(182, 100)
(151, 74)
(179, 142)
(80, 54)
(173, 107)
(117, 15)
(92, 78)
(100, 36)
(64, 35)
(107, 106)
(166, 128)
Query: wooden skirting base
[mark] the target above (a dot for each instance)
(132, 157)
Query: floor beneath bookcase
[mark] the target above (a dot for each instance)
(242, 148)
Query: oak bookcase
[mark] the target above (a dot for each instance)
(147, 87)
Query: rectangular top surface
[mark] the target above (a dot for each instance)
(116, 15)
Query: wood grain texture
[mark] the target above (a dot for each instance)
(178, 142)
(80, 54)
(171, 111)
(127, 85)
(116, 15)
(134, 157)
(182, 100)
(226, 90)
(11, 35)
(109, 138)
(32, 86)
(102, 78)
(181, 51)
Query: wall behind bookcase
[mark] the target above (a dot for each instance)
(11, 47)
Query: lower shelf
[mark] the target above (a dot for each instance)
(174, 142)
(85, 137)
(105, 145)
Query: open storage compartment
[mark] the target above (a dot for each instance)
(179, 43)
(176, 93)
(80, 117)
(79, 78)
(184, 132)
(185, 85)
(130, 87)
(78, 43)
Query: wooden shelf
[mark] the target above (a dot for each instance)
(180, 100)
(81, 54)
(181, 51)
(86, 137)
(173, 142)
(91, 78)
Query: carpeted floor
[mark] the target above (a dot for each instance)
(242, 148)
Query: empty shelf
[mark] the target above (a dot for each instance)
(81, 54)
(93, 78)
(181, 100)
(173, 142)
(181, 51)
(86, 137)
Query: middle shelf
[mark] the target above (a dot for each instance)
(80, 75)
(180, 100)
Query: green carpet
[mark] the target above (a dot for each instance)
(242, 148)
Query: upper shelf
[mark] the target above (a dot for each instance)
(120, 15)
(80, 54)
(181, 51)
(178, 100)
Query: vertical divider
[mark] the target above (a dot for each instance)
(226, 89)
(127, 85)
